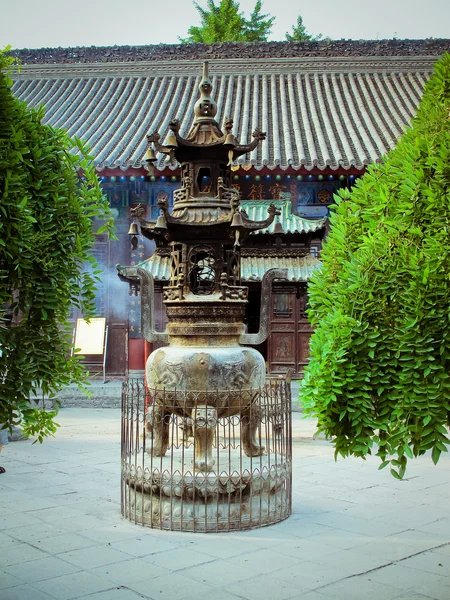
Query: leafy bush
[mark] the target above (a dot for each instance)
(46, 216)
(379, 376)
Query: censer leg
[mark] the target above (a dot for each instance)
(250, 420)
(157, 428)
(204, 425)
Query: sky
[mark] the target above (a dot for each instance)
(53, 23)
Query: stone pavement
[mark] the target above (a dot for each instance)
(355, 533)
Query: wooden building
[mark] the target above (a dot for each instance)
(329, 109)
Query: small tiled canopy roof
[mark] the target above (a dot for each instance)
(337, 105)
(299, 268)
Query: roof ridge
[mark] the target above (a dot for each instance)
(278, 49)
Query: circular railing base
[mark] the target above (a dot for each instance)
(174, 514)
(206, 488)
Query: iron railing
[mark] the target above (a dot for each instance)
(206, 461)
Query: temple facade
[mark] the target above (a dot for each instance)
(328, 109)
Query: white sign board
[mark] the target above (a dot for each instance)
(90, 337)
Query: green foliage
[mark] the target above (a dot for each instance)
(379, 376)
(225, 23)
(299, 33)
(39, 423)
(259, 26)
(46, 232)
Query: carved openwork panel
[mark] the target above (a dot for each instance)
(185, 192)
(231, 194)
(204, 179)
(233, 292)
(233, 261)
(202, 270)
(176, 265)
(181, 195)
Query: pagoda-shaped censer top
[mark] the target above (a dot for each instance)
(206, 199)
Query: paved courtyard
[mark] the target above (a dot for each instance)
(355, 533)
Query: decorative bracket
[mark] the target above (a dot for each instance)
(153, 138)
(257, 135)
(272, 211)
(254, 339)
(147, 312)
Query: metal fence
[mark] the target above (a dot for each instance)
(206, 461)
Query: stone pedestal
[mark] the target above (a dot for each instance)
(241, 493)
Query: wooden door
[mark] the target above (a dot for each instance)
(304, 329)
(290, 331)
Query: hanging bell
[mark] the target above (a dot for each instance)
(230, 140)
(171, 141)
(133, 229)
(161, 222)
(134, 232)
(237, 220)
(150, 155)
(278, 228)
(150, 158)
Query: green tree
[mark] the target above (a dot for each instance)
(259, 26)
(379, 376)
(299, 33)
(226, 23)
(49, 196)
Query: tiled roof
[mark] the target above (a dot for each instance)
(158, 265)
(319, 112)
(257, 211)
(300, 268)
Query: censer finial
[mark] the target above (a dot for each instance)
(205, 107)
